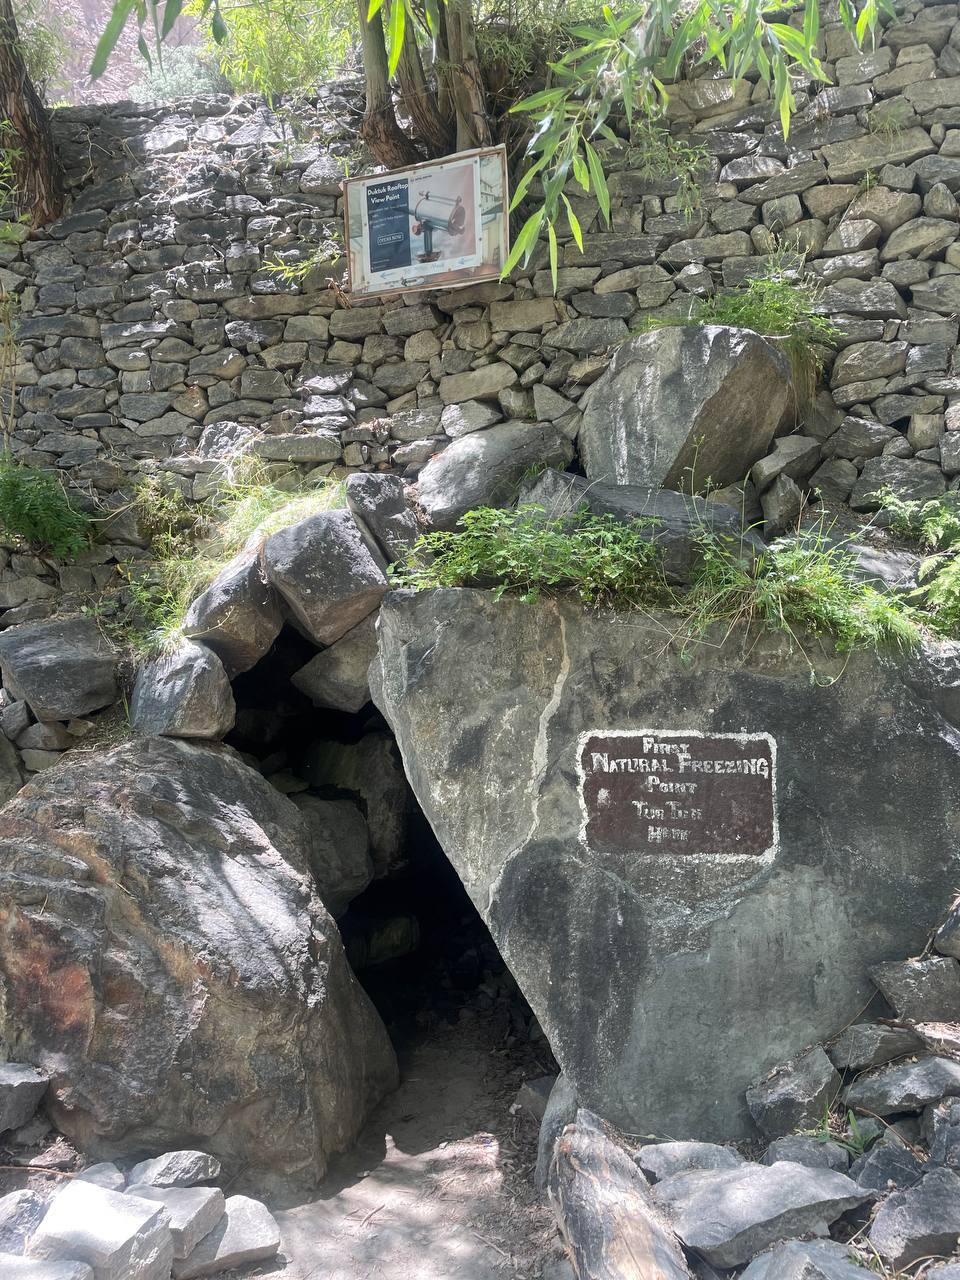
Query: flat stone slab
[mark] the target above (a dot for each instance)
(175, 1169)
(908, 1088)
(120, 1237)
(925, 990)
(105, 1174)
(247, 1232)
(870, 1044)
(193, 1212)
(14, 1267)
(21, 1088)
(808, 1151)
(729, 1215)
(664, 1159)
(62, 669)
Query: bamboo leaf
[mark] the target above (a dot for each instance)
(574, 222)
(395, 29)
(523, 185)
(600, 189)
(374, 9)
(552, 236)
(527, 237)
(171, 12)
(122, 10)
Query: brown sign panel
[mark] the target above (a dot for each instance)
(679, 793)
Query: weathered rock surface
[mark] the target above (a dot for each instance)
(247, 1232)
(795, 1096)
(183, 694)
(62, 669)
(486, 468)
(337, 677)
(192, 1212)
(907, 1088)
(380, 503)
(20, 1215)
(176, 1169)
(805, 1260)
(926, 990)
(649, 970)
(338, 850)
(156, 909)
(238, 616)
(329, 573)
(871, 1044)
(919, 1223)
(807, 1151)
(664, 1159)
(13, 1267)
(117, 1235)
(680, 405)
(21, 1088)
(729, 1215)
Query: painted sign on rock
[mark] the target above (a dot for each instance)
(679, 793)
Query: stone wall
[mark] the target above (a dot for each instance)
(154, 338)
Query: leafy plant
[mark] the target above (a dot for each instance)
(184, 72)
(10, 153)
(34, 506)
(44, 45)
(657, 154)
(935, 525)
(294, 266)
(596, 558)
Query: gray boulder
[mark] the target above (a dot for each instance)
(926, 990)
(683, 405)
(337, 677)
(192, 1212)
(338, 850)
(176, 902)
(561, 1110)
(183, 694)
(329, 573)
(675, 521)
(486, 468)
(910, 1087)
(941, 1132)
(805, 1260)
(247, 1232)
(379, 503)
(794, 1096)
(808, 1151)
(921, 1222)
(662, 1160)
(176, 1169)
(886, 1164)
(120, 1237)
(21, 1088)
(871, 1044)
(61, 668)
(629, 943)
(238, 616)
(20, 1214)
(729, 1215)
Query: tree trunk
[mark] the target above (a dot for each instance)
(434, 131)
(602, 1206)
(36, 166)
(466, 80)
(380, 131)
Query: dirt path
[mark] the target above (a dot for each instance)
(439, 1186)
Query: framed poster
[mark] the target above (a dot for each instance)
(432, 226)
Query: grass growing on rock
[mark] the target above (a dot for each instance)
(935, 526)
(803, 587)
(189, 546)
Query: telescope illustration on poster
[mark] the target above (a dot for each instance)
(434, 225)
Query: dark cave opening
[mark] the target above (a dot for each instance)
(413, 937)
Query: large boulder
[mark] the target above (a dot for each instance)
(183, 694)
(329, 571)
(683, 405)
(238, 616)
(486, 469)
(62, 668)
(689, 860)
(165, 957)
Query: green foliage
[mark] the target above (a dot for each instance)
(190, 545)
(34, 506)
(44, 46)
(294, 266)
(801, 586)
(9, 156)
(597, 558)
(656, 153)
(781, 306)
(935, 525)
(844, 1130)
(184, 72)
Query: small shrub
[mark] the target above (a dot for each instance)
(596, 558)
(804, 585)
(185, 72)
(657, 154)
(935, 525)
(34, 506)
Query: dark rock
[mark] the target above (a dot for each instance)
(486, 468)
(870, 1044)
(337, 677)
(812, 1152)
(61, 668)
(729, 1215)
(183, 694)
(663, 413)
(910, 1087)
(329, 572)
(795, 1096)
(238, 616)
(610, 935)
(941, 1132)
(21, 1088)
(926, 990)
(909, 479)
(661, 1160)
(921, 1222)
(338, 850)
(676, 521)
(379, 502)
(805, 1260)
(886, 1163)
(163, 886)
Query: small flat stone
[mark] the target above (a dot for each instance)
(910, 1087)
(193, 1212)
(805, 1260)
(919, 1223)
(247, 1232)
(810, 1152)
(886, 1164)
(664, 1159)
(870, 1044)
(795, 1095)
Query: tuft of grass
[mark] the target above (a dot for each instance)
(596, 558)
(34, 506)
(190, 547)
(779, 306)
(804, 586)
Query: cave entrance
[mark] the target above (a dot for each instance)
(413, 937)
